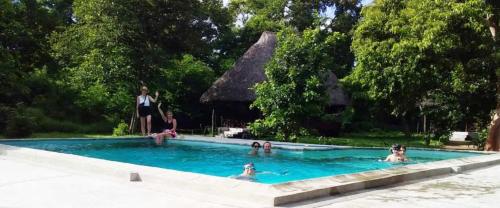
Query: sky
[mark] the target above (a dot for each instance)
(364, 2)
(328, 13)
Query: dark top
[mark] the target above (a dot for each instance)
(170, 125)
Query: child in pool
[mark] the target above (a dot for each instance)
(397, 154)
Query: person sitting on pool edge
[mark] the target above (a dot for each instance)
(170, 126)
(255, 148)
(267, 147)
(396, 154)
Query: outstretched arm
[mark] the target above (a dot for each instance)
(161, 113)
(156, 97)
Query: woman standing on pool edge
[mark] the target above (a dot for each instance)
(143, 109)
(170, 126)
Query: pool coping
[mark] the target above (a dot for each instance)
(245, 191)
(248, 142)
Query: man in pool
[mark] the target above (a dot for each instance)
(248, 173)
(267, 147)
(248, 170)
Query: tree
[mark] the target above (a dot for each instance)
(24, 52)
(493, 18)
(113, 46)
(416, 50)
(294, 89)
(183, 82)
(258, 16)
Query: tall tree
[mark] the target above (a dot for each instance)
(416, 50)
(115, 45)
(294, 90)
(25, 26)
(493, 18)
(257, 16)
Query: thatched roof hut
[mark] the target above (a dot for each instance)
(236, 84)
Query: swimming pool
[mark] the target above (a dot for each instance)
(225, 160)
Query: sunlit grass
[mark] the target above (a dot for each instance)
(370, 139)
(49, 135)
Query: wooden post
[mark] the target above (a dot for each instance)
(213, 121)
(418, 126)
(131, 127)
(425, 123)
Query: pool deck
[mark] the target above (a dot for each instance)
(36, 178)
(24, 185)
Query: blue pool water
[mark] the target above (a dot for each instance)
(227, 160)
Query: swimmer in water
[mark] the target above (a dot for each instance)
(396, 155)
(267, 147)
(248, 173)
(255, 148)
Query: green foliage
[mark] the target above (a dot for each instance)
(184, 81)
(436, 54)
(294, 90)
(480, 140)
(373, 139)
(121, 129)
(258, 16)
(114, 47)
(19, 124)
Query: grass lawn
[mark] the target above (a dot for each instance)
(69, 135)
(370, 139)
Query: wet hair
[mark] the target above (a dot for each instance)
(395, 147)
(256, 144)
(248, 165)
(266, 142)
(403, 148)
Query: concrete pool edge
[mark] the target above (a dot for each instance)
(254, 193)
(298, 191)
(248, 142)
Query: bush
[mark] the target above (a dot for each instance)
(121, 129)
(19, 124)
(45, 123)
(480, 140)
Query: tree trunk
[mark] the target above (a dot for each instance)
(406, 126)
(493, 141)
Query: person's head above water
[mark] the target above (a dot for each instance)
(248, 170)
(395, 148)
(402, 149)
(256, 145)
(267, 146)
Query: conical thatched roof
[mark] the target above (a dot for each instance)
(236, 84)
(337, 95)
